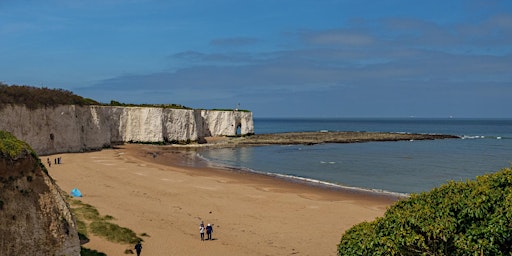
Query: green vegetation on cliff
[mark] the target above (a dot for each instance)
(33, 97)
(11, 146)
(174, 106)
(458, 218)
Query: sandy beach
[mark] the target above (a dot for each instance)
(165, 192)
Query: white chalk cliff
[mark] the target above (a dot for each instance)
(71, 128)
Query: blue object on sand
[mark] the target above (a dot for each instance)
(76, 193)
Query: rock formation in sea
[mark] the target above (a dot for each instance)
(73, 128)
(34, 217)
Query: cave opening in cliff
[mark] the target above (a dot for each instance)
(238, 129)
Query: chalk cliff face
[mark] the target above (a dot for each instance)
(71, 128)
(34, 218)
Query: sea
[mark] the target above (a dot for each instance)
(403, 167)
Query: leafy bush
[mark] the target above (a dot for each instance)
(458, 218)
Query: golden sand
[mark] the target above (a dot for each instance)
(149, 189)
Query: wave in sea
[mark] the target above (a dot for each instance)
(469, 137)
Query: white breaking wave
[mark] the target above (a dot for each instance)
(464, 137)
(332, 185)
(470, 137)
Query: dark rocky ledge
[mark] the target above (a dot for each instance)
(310, 138)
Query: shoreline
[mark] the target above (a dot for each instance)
(192, 159)
(313, 182)
(165, 192)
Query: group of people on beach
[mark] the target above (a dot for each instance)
(208, 229)
(56, 160)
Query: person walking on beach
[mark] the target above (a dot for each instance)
(138, 248)
(201, 231)
(209, 231)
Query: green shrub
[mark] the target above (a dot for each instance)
(11, 146)
(458, 218)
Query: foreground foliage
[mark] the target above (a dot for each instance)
(458, 218)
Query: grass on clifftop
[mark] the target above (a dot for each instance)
(120, 104)
(34, 97)
(11, 146)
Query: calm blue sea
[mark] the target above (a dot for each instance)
(398, 167)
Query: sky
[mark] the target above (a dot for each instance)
(276, 58)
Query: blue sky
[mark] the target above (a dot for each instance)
(277, 58)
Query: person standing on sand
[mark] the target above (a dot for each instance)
(138, 248)
(201, 231)
(209, 231)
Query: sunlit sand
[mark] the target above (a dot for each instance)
(251, 214)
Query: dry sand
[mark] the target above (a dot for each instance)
(150, 189)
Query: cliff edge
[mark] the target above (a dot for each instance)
(34, 217)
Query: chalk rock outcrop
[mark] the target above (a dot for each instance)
(70, 128)
(34, 217)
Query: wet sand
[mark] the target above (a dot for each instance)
(165, 192)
